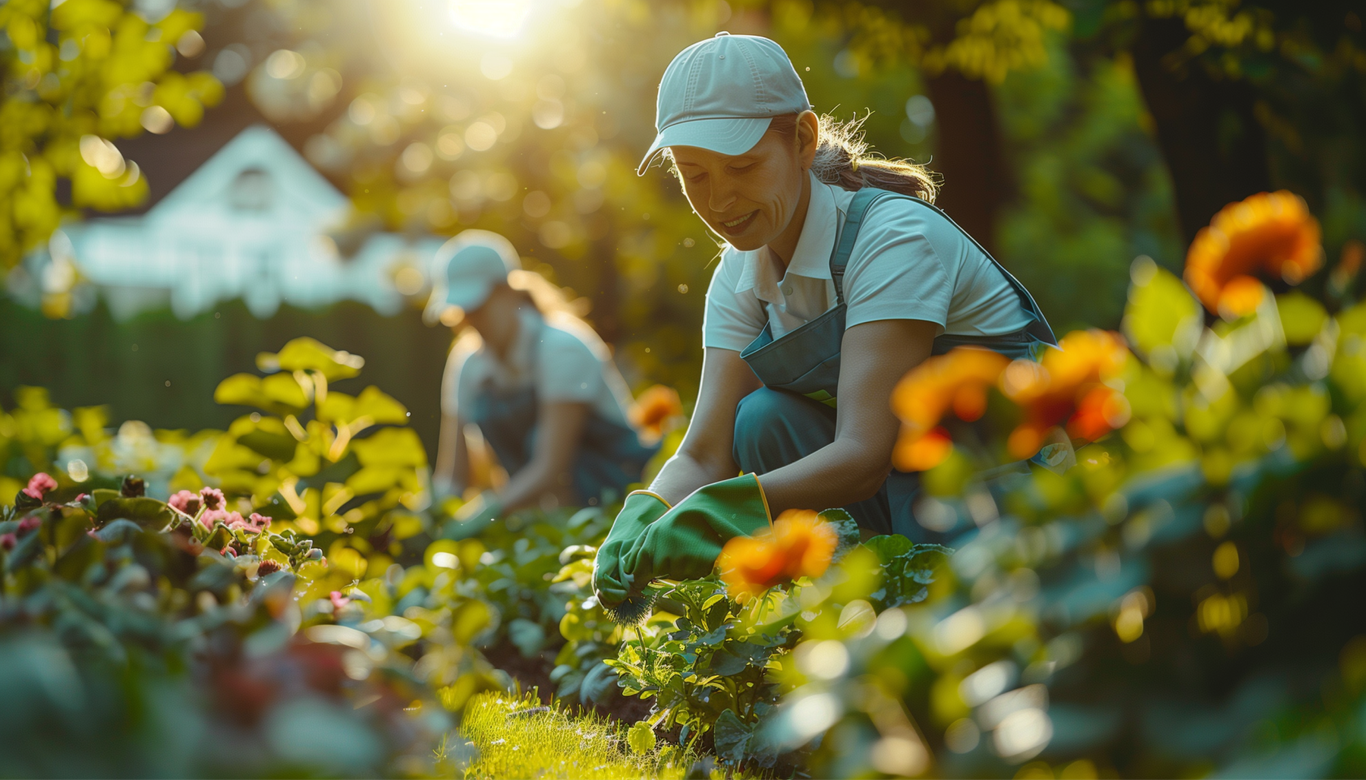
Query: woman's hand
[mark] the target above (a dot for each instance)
(873, 358)
(707, 452)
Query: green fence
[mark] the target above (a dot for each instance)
(163, 370)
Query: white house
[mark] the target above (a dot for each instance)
(252, 222)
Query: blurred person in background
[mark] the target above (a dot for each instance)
(536, 382)
(837, 278)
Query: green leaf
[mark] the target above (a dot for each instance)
(276, 446)
(641, 738)
(1302, 317)
(284, 389)
(528, 636)
(242, 390)
(725, 663)
(146, 512)
(846, 528)
(306, 354)
(731, 737)
(379, 407)
(1161, 313)
(888, 547)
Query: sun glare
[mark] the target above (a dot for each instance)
(495, 18)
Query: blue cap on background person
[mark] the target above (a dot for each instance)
(720, 95)
(466, 269)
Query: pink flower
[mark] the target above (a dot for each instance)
(40, 485)
(213, 498)
(29, 523)
(81, 497)
(228, 552)
(8, 541)
(185, 502)
(210, 517)
(338, 600)
(261, 522)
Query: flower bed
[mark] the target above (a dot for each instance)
(1168, 590)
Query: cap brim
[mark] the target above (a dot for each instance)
(726, 135)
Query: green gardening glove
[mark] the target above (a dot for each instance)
(610, 582)
(685, 543)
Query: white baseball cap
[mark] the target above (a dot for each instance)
(466, 269)
(721, 94)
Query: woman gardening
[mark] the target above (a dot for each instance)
(534, 379)
(838, 276)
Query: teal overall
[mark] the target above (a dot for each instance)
(793, 415)
(609, 458)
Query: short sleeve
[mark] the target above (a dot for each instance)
(731, 319)
(894, 272)
(461, 373)
(569, 370)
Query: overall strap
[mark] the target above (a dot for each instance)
(864, 199)
(844, 245)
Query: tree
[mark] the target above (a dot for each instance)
(77, 75)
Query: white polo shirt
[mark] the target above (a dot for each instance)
(561, 357)
(909, 263)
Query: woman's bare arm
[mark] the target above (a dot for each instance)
(451, 474)
(706, 454)
(874, 356)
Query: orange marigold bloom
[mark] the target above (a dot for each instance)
(957, 381)
(1067, 386)
(655, 409)
(1268, 233)
(799, 544)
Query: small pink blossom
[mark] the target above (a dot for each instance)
(29, 523)
(185, 502)
(40, 485)
(256, 523)
(338, 600)
(81, 497)
(210, 517)
(8, 541)
(228, 552)
(213, 498)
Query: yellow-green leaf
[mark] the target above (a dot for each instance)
(1161, 315)
(1302, 317)
(380, 407)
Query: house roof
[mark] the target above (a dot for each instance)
(168, 160)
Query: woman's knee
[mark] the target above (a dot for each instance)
(774, 428)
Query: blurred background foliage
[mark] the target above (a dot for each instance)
(1071, 136)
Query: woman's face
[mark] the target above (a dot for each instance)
(748, 199)
(496, 318)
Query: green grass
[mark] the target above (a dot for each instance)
(516, 737)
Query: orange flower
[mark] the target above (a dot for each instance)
(1068, 386)
(655, 409)
(957, 381)
(799, 544)
(1268, 233)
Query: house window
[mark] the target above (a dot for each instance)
(252, 190)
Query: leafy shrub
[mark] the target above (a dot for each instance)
(122, 632)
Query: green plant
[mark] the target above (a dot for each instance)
(121, 631)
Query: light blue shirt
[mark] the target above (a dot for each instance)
(909, 263)
(561, 357)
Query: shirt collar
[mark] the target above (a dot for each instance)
(812, 257)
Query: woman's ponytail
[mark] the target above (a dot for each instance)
(842, 159)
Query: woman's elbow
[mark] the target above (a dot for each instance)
(867, 478)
